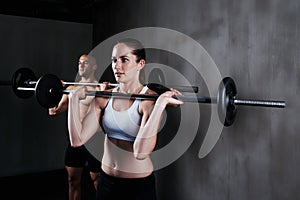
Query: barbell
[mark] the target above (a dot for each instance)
(25, 79)
(48, 90)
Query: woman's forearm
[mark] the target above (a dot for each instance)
(74, 123)
(81, 131)
(147, 135)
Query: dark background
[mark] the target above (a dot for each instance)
(255, 42)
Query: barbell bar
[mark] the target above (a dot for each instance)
(79, 83)
(49, 90)
(25, 78)
(193, 89)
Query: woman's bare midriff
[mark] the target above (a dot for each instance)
(118, 160)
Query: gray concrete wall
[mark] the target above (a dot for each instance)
(30, 140)
(257, 44)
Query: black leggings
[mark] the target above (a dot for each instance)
(113, 188)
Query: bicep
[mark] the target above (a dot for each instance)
(145, 110)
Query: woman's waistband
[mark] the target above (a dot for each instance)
(121, 179)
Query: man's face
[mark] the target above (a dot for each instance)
(85, 67)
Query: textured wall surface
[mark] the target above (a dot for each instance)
(257, 44)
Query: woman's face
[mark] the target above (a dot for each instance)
(124, 63)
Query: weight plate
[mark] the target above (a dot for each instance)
(20, 78)
(48, 90)
(225, 100)
(158, 88)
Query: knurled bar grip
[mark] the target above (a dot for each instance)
(263, 103)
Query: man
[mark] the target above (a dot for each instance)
(77, 157)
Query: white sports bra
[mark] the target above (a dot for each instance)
(123, 125)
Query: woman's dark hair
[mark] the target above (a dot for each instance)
(138, 49)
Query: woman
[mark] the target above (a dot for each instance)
(130, 125)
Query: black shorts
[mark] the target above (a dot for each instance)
(79, 157)
(113, 188)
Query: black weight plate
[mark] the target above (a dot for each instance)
(48, 90)
(158, 88)
(225, 100)
(156, 79)
(19, 79)
(156, 75)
